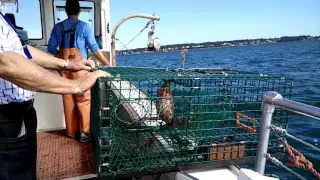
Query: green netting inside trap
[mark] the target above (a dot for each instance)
(133, 134)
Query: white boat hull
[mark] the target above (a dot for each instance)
(50, 113)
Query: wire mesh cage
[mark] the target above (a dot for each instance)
(150, 118)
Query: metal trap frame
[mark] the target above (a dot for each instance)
(216, 117)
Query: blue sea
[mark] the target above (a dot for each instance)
(298, 60)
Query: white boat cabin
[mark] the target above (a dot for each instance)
(34, 20)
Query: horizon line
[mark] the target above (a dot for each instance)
(228, 41)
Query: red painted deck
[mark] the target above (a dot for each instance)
(60, 157)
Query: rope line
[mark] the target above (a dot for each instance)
(125, 46)
(122, 43)
(280, 164)
(146, 26)
(297, 159)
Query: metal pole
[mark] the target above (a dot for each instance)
(269, 102)
(114, 31)
(264, 137)
(104, 26)
(267, 111)
(183, 55)
(297, 107)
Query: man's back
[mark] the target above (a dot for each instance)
(84, 37)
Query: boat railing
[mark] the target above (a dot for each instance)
(270, 101)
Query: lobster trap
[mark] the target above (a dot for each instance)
(151, 118)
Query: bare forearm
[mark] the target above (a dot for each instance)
(102, 58)
(46, 60)
(28, 75)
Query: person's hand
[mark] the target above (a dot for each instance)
(86, 82)
(80, 65)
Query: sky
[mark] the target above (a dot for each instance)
(189, 21)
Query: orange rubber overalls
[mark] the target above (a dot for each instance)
(76, 107)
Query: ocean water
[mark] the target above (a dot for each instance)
(298, 60)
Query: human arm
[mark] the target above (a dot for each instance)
(53, 42)
(50, 62)
(93, 46)
(101, 58)
(28, 75)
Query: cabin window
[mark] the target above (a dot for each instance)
(86, 12)
(28, 17)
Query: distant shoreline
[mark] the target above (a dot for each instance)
(219, 44)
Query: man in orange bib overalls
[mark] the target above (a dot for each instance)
(74, 37)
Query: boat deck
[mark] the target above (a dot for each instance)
(60, 157)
